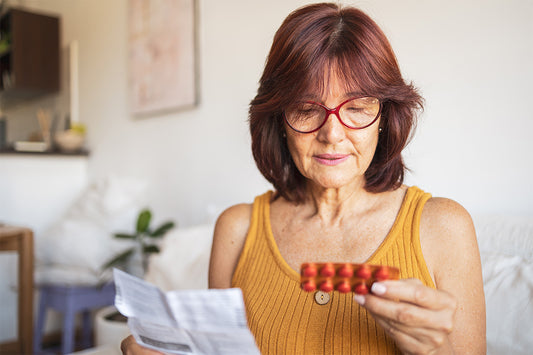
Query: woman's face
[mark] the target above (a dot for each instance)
(334, 156)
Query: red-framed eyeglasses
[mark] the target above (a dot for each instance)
(354, 113)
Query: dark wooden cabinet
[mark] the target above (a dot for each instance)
(29, 55)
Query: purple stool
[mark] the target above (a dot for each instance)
(71, 300)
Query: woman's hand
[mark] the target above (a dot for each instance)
(418, 318)
(130, 347)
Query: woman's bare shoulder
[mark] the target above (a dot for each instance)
(441, 216)
(229, 237)
(236, 218)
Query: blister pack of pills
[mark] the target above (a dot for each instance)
(344, 277)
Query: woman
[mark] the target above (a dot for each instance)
(328, 125)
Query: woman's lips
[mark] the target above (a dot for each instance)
(331, 159)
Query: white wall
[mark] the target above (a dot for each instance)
(472, 61)
(34, 191)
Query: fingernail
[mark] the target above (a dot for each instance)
(378, 288)
(359, 299)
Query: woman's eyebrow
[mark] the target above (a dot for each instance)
(353, 94)
(318, 98)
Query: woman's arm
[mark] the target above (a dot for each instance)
(228, 241)
(450, 319)
(450, 248)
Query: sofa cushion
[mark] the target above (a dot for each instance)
(75, 248)
(184, 259)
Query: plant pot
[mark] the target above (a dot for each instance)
(110, 327)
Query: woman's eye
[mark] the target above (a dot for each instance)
(308, 111)
(355, 109)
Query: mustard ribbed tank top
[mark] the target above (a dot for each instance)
(286, 320)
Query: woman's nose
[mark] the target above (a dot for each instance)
(332, 131)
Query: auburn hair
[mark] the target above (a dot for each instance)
(312, 42)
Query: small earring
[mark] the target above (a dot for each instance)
(284, 135)
(380, 129)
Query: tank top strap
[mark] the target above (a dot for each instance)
(259, 219)
(401, 247)
(415, 202)
(411, 226)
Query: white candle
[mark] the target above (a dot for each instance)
(74, 93)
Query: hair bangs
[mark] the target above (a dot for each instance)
(347, 64)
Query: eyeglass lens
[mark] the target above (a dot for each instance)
(356, 113)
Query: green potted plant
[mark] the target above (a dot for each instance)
(135, 259)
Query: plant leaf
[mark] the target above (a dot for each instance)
(143, 221)
(119, 259)
(162, 230)
(124, 236)
(151, 249)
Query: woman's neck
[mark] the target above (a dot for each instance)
(332, 205)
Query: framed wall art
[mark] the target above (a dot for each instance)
(162, 51)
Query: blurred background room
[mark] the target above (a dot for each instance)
(82, 151)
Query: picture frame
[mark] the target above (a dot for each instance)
(162, 55)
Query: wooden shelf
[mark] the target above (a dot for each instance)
(10, 151)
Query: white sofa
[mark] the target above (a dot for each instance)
(506, 246)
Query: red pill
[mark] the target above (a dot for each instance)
(310, 271)
(382, 273)
(309, 286)
(344, 287)
(328, 270)
(326, 286)
(345, 271)
(364, 272)
(361, 289)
